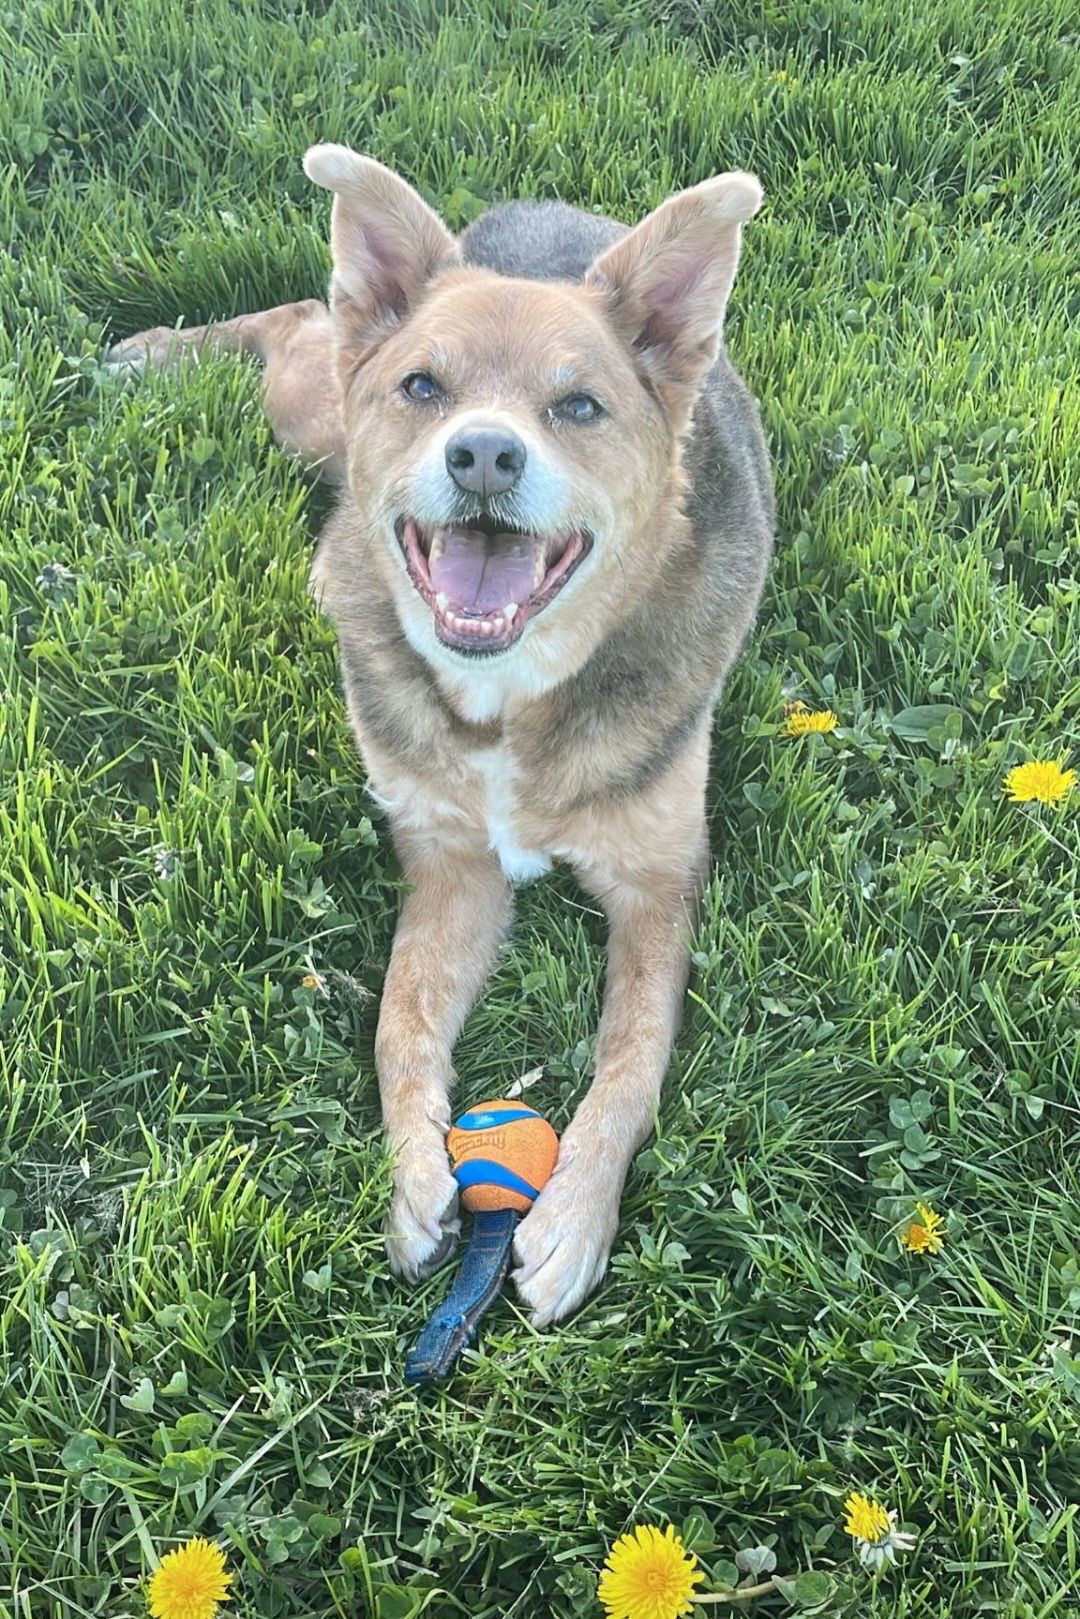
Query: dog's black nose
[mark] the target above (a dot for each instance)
(485, 461)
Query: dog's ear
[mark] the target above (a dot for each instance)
(665, 284)
(386, 244)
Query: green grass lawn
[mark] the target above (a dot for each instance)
(197, 1328)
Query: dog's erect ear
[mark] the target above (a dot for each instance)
(666, 283)
(385, 241)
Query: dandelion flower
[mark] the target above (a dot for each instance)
(926, 1234)
(190, 1583)
(877, 1539)
(649, 1575)
(806, 722)
(1042, 781)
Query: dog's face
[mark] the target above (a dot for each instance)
(513, 444)
(503, 441)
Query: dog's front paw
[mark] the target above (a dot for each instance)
(423, 1223)
(563, 1243)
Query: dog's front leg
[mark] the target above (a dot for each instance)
(563, 1243)
(449, 932)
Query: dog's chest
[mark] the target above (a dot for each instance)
(471, 796)
(499, 789)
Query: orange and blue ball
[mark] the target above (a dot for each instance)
(502, 1154)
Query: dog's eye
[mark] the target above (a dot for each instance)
(578, 408)
(419, 386)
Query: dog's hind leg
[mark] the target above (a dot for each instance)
(300, 386)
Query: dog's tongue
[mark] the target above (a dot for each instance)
(481, 573)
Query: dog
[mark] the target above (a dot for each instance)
(555, 524)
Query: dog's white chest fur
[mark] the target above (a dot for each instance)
(477, 800)
(495, 766)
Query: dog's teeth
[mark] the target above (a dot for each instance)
(437, 547)
(496, 625)
(540, 568)
(442, 601)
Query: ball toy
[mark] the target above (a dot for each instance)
(502, 1154)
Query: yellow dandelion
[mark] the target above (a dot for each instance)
(877, 1539)
(190, 1583)
(926, 1234)
(309, 981)
(1043, 781)
(649, 1575)
(805, 721)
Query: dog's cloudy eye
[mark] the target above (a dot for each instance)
(578, 408)
(419, 386)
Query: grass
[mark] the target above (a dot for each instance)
(198, 1331)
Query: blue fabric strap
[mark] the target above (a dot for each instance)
(476, 1287)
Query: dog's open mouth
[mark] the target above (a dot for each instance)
(483, 584)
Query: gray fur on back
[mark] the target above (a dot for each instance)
(538, 241)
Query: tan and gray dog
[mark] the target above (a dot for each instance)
(555, 526)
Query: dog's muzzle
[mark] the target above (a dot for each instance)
(484, 585)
